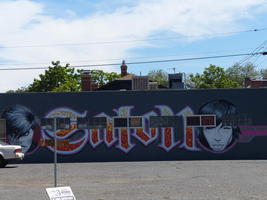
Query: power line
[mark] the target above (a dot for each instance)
(258, 62)
(128, 41)
(261, 47)
(144, 62)
(129, 58)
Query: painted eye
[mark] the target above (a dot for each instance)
(209, 128)
(27, 133)
(227, 127)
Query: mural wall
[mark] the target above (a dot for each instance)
(141, 125)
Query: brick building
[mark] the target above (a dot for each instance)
(260, 83)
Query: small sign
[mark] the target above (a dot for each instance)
(60, 193)
(120, 122)
(2, 129)
(163, 121)
(201, 120)
(135, 122)
(51, 142)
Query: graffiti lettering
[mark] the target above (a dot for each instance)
(189, 142)
(168, 138)
(146, 135)
(122, 137)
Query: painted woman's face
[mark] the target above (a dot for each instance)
(24, 141)
(218, 137)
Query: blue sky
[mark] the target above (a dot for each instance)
(108, 31)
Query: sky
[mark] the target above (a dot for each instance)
(93, 32)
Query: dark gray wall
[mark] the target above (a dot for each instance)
(250, 101)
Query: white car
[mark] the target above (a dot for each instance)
(9, 152)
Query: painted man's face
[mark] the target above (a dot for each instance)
(24, 141)
(218, 137)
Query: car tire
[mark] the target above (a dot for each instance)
(3, 162)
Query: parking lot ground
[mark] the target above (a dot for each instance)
(170, 180)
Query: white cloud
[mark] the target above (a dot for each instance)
(70, 13)
(26, 23)
(14, 16)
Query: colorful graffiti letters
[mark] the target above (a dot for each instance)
(121, 129)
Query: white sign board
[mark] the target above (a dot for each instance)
(60, 193)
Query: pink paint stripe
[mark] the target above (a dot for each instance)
(253, 130)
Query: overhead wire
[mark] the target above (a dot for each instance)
(260, 60)
(143, 62)
(249, 55)
(261, 47)
(263, 60)
(130, 41)
(127, 58)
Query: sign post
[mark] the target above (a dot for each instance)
(55, 152)
(54, 124)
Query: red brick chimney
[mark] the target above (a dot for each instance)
(247, 82)
(123, 69)
(94, 85)
(86, 80)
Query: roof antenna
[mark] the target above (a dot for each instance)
(173, 69)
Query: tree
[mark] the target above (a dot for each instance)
(56, 78)
(159, 76)
(21, 89)
(263, 73)
(64, 79)
(212, 77)
(103, 78)
(238, 73)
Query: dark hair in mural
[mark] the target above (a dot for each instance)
(20, 126)
(220, 108)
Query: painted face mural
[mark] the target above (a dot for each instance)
(20, 122)
(24, 141)
(218, 137)
(222, 137)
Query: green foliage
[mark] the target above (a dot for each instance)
(56, 79)
(213, 77)
(64, 78)
(159, 76)
(238, 73)
(103, 78)
(59, 78)
(21, 89)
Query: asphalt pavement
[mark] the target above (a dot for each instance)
(170, 180)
